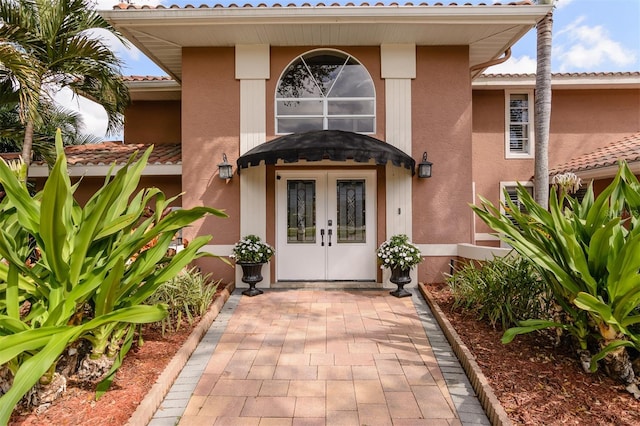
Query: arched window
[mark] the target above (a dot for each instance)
(325, 90)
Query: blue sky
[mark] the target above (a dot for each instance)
(588, 36)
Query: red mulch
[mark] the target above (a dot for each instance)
(536, 382)
(139, 371)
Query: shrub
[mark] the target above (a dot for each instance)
(70, 273)
(503, 290)
(187, 295)
(589, 255)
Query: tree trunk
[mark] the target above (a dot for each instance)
(27, 145)
(543, 110)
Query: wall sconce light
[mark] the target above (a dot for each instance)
(225, 170)
(424, 168)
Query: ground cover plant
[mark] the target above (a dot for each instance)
(73, 278)
(588, 253)
(503, 290)
(187, 296)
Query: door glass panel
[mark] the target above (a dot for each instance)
(301, 211)
(351, 211)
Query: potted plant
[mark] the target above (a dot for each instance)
(251, 253)
(399, 255)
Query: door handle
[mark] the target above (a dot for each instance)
(322, 237)
(330, 231)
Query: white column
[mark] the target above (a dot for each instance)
(398, 67)
(252, 69)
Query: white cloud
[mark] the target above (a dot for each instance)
(124, 51)
(579, 46)
(521, 65)
(563, 3)
(93, 115)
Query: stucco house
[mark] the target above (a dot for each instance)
(325, 112)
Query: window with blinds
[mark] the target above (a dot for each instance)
(519, 125)
(512, 193)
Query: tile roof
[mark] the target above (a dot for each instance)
(106, 153)
(137, 78)
(147, 78)
(627, 149)
(125, 6)
(569, 74)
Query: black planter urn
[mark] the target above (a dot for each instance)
(251, 274)
(400, 277)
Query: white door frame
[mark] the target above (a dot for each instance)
(317, 262)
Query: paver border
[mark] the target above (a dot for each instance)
(152, 400)
(490, 403)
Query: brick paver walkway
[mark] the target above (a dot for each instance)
(315, 357)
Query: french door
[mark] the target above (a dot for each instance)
(326, 225)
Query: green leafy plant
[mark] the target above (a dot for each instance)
(70, 272)
(397, 251)
(503, 290)
(186, 295)
(589, 255)
(252, 249)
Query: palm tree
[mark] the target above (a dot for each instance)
(53, 38)
(543, 107)
(53, 117)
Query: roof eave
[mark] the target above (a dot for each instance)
(604, 172)
(141, 26)
(516, 14)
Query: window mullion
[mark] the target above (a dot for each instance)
(325, 114)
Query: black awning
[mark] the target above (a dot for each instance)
(335, 145)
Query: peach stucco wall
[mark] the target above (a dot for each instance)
(169, 185)
(584, 120)
(581, 121)
(153, 122)
(210, 127)
(441, 114)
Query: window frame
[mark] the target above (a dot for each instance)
(509, 153)
(325, 99)
(511, 184)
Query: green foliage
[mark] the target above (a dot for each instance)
(588, 254)
(398, 251)
(47, 45)
(503, 290)
(104, 255)
(187, 295)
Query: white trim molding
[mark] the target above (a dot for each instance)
(252, 61)
(434, 250)
(484, 236)
(79, 171)
(470, 251)
(398, 61)
(218, 249)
